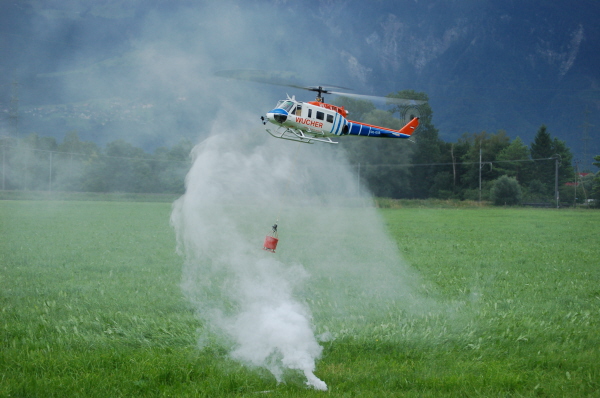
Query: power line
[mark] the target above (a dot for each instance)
(455, 163)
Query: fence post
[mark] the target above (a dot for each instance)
(3, 166)
(556, 180)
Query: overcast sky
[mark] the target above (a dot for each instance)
(485, 65)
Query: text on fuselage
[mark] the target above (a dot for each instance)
(308, 122)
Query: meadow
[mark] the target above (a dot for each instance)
(91, 305)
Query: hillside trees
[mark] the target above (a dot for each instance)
(431, 167)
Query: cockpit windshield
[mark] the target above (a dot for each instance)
(285, 105)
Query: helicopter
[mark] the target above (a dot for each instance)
(318, 121)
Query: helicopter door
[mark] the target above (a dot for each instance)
(298, 110)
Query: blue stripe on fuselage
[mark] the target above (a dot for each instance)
(354, 128)
(279, 111)
(336, 124)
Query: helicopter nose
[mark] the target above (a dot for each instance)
(277, 116)
(280, 118)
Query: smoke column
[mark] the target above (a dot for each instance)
(333, 249)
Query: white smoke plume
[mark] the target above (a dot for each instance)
(239, 289)
(333, 252)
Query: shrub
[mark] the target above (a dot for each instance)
(506, 191)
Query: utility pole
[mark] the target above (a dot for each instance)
(13, 112)
(481, 164)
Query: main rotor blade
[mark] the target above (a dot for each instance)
(277, 78)
(291, 79)
(389, 100)
(287, 79)
(325, 89)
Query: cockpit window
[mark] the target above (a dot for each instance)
(285, 105)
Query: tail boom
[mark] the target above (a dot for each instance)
(367, 130)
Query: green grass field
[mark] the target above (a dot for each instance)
(90, 305)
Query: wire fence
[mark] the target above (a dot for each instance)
(24, 168)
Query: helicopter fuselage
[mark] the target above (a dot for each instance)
(315, 121)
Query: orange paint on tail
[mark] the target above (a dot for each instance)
(410, 127)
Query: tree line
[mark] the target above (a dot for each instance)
(41, 163)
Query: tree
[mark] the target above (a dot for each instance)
(30, 162)
(489, 146)
(565, 171)
(455, 153)
(125, 168)
(506, 191)
(385, 162)
(541, 148)
(546, 149)
(536, 191)
(381, 160)
(171, 166)
(516, 151)
(73, 145)
(72, 157)
(427, 149)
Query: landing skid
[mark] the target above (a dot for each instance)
(299, 136)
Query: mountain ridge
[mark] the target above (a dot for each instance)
(485, 65)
